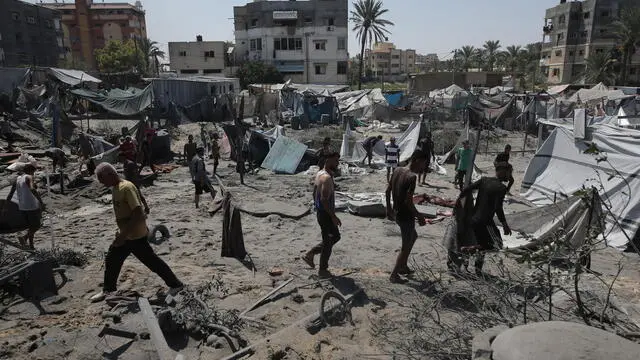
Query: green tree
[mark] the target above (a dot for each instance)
(599, 69)
(150, 51)
(491, 49)
(118, 56)
(627, 30)
(467, 57)
(369, 26)
(256, 72)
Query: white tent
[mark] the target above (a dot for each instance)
(408, 142)
(361, 103)
(598, 92)
(561, 167)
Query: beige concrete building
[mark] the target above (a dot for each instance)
(573, 31)
(426, 63)
(386, 60)
(198, 57)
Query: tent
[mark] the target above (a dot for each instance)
(560, 168)
(408, 142)
(284, 156)
(598, 92)
(122, 102)
(361, 103)
(72, 77)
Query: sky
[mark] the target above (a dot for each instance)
(428, 26)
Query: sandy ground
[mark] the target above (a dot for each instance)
(83, 220)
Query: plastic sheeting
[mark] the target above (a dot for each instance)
(560, 168)
(121, 102)
(72, 77)
(598, 92)
(284, 156)
(11, 78)
(353, 151)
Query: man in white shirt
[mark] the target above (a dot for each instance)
(29, 203)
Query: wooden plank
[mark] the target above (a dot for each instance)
(159, 342)
(257, 303)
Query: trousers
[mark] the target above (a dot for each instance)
(330, 237)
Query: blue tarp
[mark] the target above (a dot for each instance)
(284, 156)
(393, 99)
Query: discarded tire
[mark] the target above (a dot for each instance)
(333, 308)
(153, 233)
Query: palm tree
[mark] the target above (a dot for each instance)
(467, 56)
(150, 50)
(369, 26)
(627, 30)
(599, 69)
(515, 59)
(491, 48)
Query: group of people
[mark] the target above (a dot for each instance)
(401, 186)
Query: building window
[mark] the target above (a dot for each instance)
(321, 69)
(308, 21)
(287, 44)
(603, 31)
(604, 13)
(31, 20)
(211, 71)
(395, 65)
(556, 72)
(210, 54)
(395, 57)
(342, 43)
(15, 16)
(320, 44)
(18, 37)
(587, 15)
(584, 34)
(581, 53)
(255, 44)
(254, 22)
(571, 53)
(47, 23)
(188, 71)
(562, 19)
(342, 67)
(182, 53)
(558, 52)
(573, 35)
(599, 51)
(331, 21)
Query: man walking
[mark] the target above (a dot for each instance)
(402, 187)
(491, 192)
(215, 152)
(502, 159)
(189, 150)
(29, 203)
(427, 148)
(131, 237)
(199, 176)
(324, 203)
(369, 144)
(464, 157)
(391, 157)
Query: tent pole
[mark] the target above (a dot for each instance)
(539, 136)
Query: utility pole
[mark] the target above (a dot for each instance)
(306, 48)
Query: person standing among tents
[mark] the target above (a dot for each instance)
(131, 237)
(502, 159)
(128, 148)
(489, 203)
(85, 149)
(324, 200)
(369, 144)
(58, 156)
(215, 152)
(402, 188)
(146, 149)
(464, 157)
(199, 176)
(391, 157)
(29, 202)
(427, 147)
(189, 150)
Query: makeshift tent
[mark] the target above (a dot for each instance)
(352, 151)
(72, 77)
(122, 102)
(561, 167)
(361, 104)
(598, 92)
(11, 78)
(284, 156)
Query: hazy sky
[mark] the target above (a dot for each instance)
(429, 26)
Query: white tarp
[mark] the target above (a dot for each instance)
(598, 92)
(72, 77)
(361, 103)
(560, 168)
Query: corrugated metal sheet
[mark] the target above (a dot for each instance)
(285, 155)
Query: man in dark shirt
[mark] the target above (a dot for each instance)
(503, 160)
(426, 145)
(369, 144)
(402, 187)
(189, 150)
(491, 192)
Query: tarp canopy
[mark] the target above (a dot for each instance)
(353, 151)
(315, 88)
(561, 167)
(598, 92)
(122, 102)
(72, 77)
(558, 89)
(284, 156)
(360, 103)
(11, 78)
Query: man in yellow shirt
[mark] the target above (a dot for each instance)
(131, 237)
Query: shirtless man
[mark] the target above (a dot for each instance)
(402, 187)
(325, 204)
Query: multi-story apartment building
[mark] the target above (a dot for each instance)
(29, 35)
(574, 30)
(198, 57)
(305, 40)
(425, 63)
(89, 26)
(385, 60)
